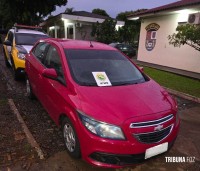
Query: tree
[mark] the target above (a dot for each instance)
(100, 12)
(123, 15)
(69, 10)
(188, 34)
(104, 32)
(107, 33)
(130, 31)
(25, 11)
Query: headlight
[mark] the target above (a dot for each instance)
(21, 56)
(103, 130)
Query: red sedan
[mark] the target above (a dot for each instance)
(110, 112)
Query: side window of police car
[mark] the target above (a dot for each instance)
(53, 60)
(10, 37)
(39, 51)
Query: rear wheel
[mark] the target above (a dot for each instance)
(71, 139)
(29, 91)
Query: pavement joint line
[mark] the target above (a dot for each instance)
(28, 134)
(183, 95)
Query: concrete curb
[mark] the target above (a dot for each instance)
(28, 134)
(183, 95)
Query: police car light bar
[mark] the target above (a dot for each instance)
(25, 26)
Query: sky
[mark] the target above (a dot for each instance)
(112, 7)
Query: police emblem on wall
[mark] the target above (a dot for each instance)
(151, 36)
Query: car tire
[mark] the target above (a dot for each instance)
(16, 72)
(29, 91)
(6, 60)
(70, 139)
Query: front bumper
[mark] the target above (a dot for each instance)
(118, 153)
(117, 160)
(19, 63)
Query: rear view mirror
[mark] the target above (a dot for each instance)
(7, 43)
(142, 69)
(50, 73)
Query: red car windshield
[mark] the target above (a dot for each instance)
(118, 69)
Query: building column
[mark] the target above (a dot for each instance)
(65, 29)
(56, 36)
(74, 31)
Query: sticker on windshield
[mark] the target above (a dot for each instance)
(101, 79)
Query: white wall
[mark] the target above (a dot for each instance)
(84, 32)
(185, 57)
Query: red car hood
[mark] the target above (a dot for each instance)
(116, 104)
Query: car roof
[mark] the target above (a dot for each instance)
(81, 44)
(27, 31)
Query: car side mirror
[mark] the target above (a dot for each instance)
(50, 73)
(142, 69)
(7, 43)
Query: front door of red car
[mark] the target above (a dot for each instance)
(51, 89)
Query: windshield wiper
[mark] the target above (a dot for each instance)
(88, 84)
(120, 84)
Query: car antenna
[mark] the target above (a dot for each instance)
(91, 45)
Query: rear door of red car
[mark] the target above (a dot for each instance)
(34, 67)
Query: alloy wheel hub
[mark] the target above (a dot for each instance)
(69, 138)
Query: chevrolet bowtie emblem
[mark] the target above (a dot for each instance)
(158, 128)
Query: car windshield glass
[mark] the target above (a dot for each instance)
(118, 69)
(28, 39)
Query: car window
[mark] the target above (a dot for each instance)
(119, 46)
(10, 36)
(39, 51)
(128, 47)
(53, 60)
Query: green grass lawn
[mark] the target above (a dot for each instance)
(175, 82)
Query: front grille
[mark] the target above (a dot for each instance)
(152, 123)
(120, 160)
(154, 137)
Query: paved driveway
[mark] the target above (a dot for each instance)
(184, 155)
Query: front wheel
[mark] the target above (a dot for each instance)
(71, 139)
